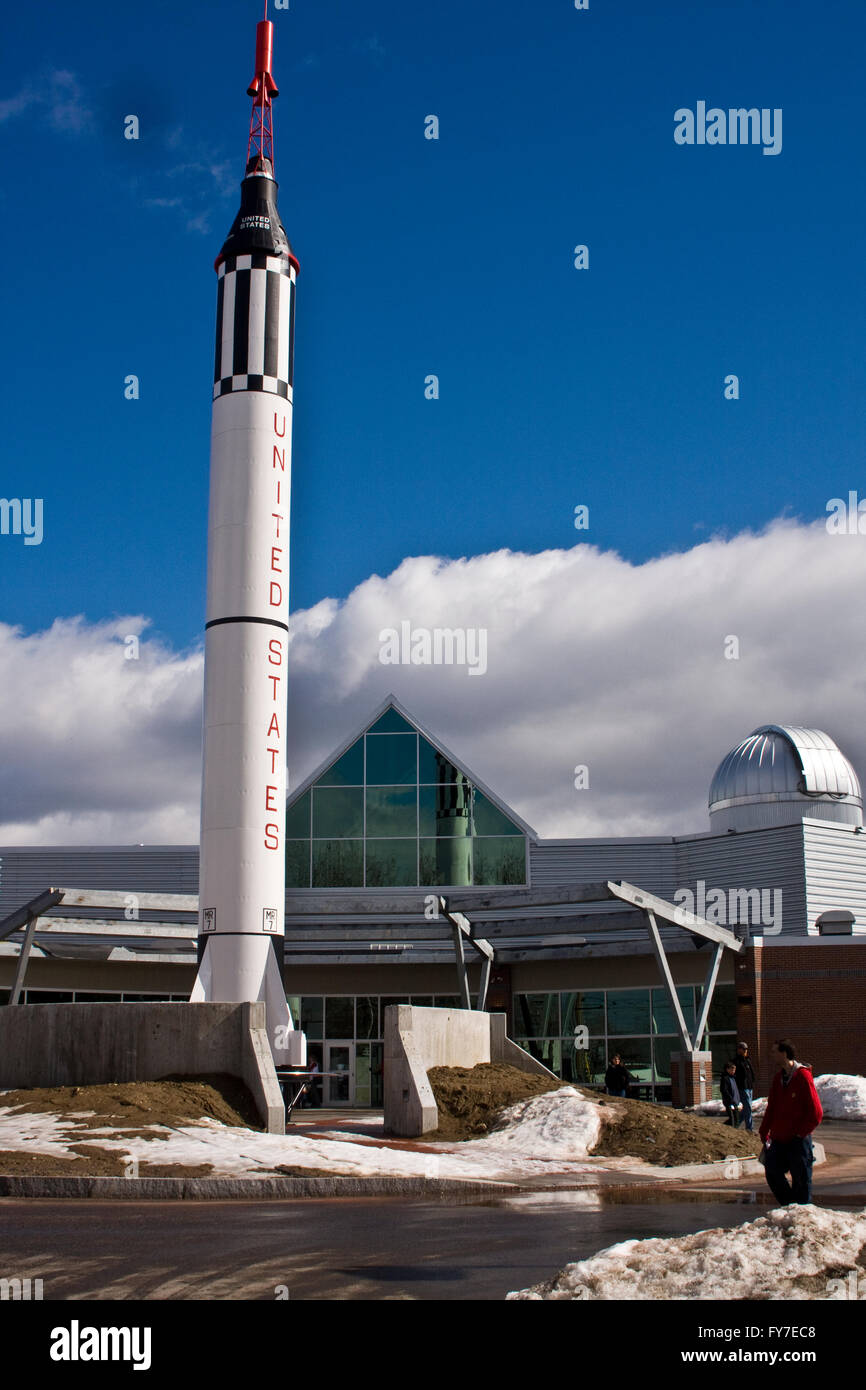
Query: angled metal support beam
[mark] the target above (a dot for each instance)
(461, 927)
(668, 979)
(707, 996)
(484, 981)
(23, 958)
(676, 916)
(22, 915)
(98, 897)
(462, 973)
(477, 903)
(83, 926)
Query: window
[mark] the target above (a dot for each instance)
(298, 817)
(537, 1015)
(663, 1014)
(584, 1066)
(338, 813)
(338, 863)
(312, 1016)
(662, 1049)
(392, 863)
(584, 1010)
(628, 1011)
(392, 758)
(636, 1023)
(392, 811)
(636, 1054)
(340, 1016)
(347, 771)
(367, 1016)
(723, 1009)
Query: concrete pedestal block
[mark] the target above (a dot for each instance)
(94, 1044)
(417, 1039)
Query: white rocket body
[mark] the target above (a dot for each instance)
(242, 866)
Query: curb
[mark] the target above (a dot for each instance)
(248, 1189)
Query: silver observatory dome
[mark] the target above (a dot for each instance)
(778, 775)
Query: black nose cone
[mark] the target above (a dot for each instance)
(257, 226)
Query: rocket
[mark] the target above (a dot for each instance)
(242, 866)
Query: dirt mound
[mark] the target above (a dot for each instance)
(178, 1100)
(470, 1098)
(642, 1129)
(91, 1161)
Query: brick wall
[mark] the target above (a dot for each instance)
(691, 1078)
(813, 993)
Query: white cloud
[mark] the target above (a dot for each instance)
(10, 107)
(596, 661)
(96, 748)
(207, 181)
(590, 660)
(204, 179)
(59, 95)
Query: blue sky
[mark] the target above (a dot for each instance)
(454, 257)
(607, 648)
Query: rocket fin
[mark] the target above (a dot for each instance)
(202, 989)
(281, 1027)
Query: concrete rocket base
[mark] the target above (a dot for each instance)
(95, 1044)
(237, 969)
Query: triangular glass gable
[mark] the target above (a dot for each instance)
(391, 723)
(394, 811)
(348, 770)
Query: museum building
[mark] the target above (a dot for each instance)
(394, 825)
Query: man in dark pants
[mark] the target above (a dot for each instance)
(745, 1076)
(793, 1111)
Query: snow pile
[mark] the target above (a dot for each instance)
(794, 1253)
(245, 1153)
(715, 1107)
(843, 1097)
(556, 1125)
(35, 1133)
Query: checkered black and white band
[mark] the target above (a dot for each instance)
(255, 325)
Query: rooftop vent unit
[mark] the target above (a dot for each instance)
(839, 923)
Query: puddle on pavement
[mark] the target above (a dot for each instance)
(639, 1195)
(588, 1197)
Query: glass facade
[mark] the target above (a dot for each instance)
(393, 812)
(346, 1031)
(543, 1023)
(636, 1023)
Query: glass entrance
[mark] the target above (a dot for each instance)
(340, 1057)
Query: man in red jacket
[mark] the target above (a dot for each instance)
(793, 1111)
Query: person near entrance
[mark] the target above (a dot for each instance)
(617, 1077)
(745, 1078)
(793, 1112)
(314, 1090)
(730, 1093)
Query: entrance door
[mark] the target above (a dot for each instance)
(340, 1057)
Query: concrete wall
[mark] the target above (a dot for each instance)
(417, 1039)
(502, 1049)
(91, 1044)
